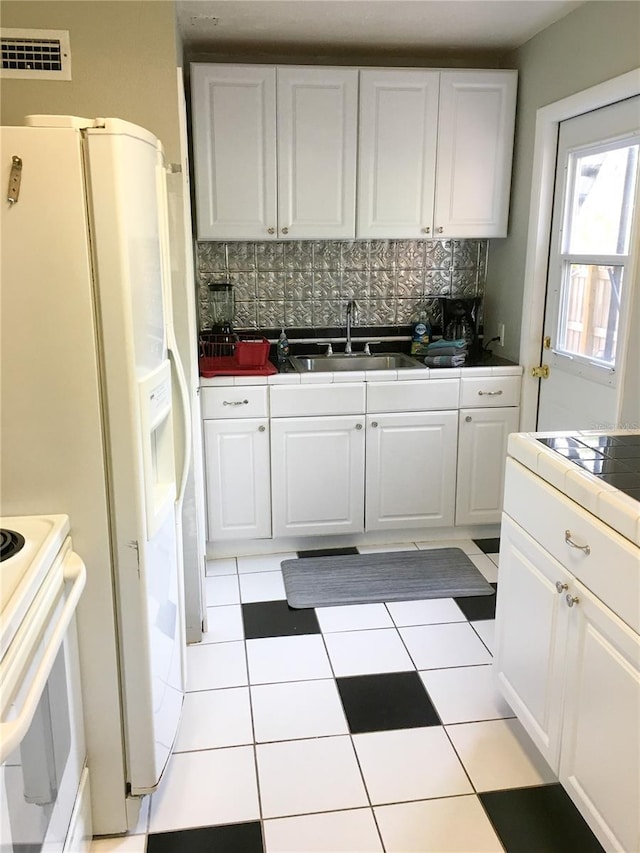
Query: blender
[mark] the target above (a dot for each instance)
(222, 311)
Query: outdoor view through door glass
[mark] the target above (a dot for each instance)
(595, 247)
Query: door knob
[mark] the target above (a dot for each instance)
(571, 599)
(271, 230)
(285, 230)
(560, 587)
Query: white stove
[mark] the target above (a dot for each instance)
(23, 571)
(43, 779)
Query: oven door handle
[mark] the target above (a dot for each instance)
(12, 731)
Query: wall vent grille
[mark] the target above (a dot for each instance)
(35, 54)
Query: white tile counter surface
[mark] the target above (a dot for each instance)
(614, 508)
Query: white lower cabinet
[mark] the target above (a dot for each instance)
(570, 669)
(238, 476)
(482, 452)
(410, 470)
(318, 475)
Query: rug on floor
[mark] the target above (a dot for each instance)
(391, 576)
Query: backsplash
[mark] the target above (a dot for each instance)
(306, 284)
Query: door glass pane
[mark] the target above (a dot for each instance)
(601, 204)
(590, 306)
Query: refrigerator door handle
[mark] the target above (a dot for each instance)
(185, 408)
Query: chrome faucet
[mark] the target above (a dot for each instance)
(352, 314)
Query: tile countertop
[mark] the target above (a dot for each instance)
(292, 377)
(599, 470)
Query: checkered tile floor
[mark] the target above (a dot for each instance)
(361, 728)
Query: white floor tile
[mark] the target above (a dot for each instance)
(451, 825)
(300, 709)
(206, 788)
(224, 623)
(487, 568)
(486, 629)
(426, 612)
(287, 659)
(386, 549)
(221, 589)
(367, 652)
(498, 754)
(410, 764)
(351, 831)
(436, 646)
(216, 665)
(221, 566)
(304, 776)
(353, 617)
(262, 586)
(215, 718)
(263, 562)
(466, 545)
(122, 844)
(465, 694)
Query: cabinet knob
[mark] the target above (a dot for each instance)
(374, 424)
(285, 230)
(560, 587)
(271, 230)
(261, 428)
(440, 230)
(426, 230)
(468, 419)
(571, 599)
(569, 541)
(358, 426)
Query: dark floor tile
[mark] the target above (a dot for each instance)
(477, 607)
(277, 619)
(395, 700)
(328, 552)
(488, 546)
(539, 820)
(231, 838)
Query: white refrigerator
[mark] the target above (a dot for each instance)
(89, 369)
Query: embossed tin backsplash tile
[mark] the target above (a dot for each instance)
(306, 283)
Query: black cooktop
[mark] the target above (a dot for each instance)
(612, 458)
(10, 543)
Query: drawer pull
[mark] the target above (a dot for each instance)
(561, 587)
(569, 541)
(358, 426)
(261, 428)
(571, 599)
(235, 402)
(489, 393)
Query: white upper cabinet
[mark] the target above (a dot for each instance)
(234, 142)
(265, 172)
(317, 128)
(435, 153)
(397, 153)
(475, 146)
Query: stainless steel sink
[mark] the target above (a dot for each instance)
(355, 361)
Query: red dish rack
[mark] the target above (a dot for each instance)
(234, 355)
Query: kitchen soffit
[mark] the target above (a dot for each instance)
(385, 25)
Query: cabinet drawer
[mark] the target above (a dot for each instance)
(611, 569)
(482, 392)
(422, 396)
(242, 401)
(299, 400)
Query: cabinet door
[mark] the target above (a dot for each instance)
(482, 453)
(238, 478)
(531, 632)
(318, 475)
(397, 153)
(317, 138)
(475, 145)
(410, 470)
(600, 760)
(234, 141)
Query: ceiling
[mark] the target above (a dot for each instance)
(416, 26)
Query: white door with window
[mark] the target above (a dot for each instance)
(589, 290)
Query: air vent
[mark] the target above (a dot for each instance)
(35, 54)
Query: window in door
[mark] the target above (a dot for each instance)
(596, 238)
